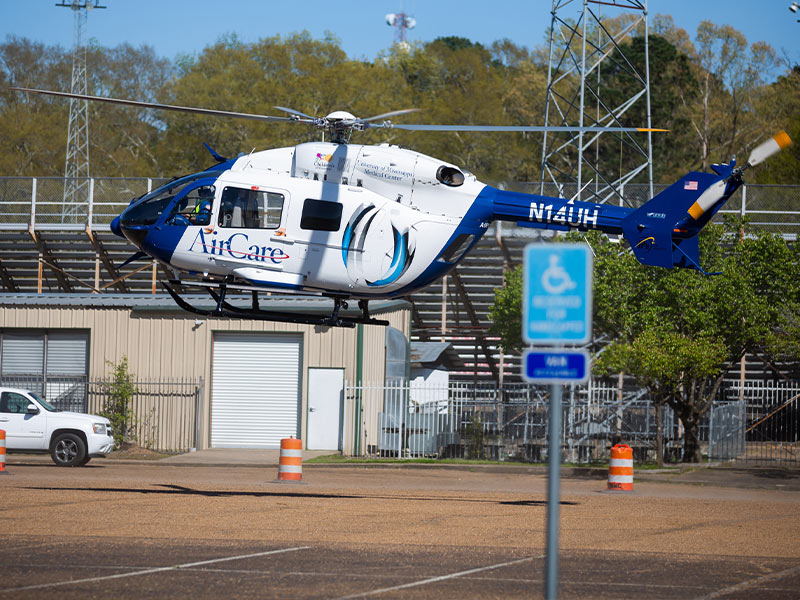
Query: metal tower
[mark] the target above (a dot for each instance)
(582, 49)
(76, 173)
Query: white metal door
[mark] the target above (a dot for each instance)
(325, 403)
(255, 387)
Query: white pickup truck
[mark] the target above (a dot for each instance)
(32, 425)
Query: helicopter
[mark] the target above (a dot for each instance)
(361, 222)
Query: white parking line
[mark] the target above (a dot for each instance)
(154, 570)
(439, 578)
(752, 583)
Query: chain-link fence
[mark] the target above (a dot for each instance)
(39, 201)
(772, 208)
(510, 423)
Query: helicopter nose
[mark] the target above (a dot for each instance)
(115, 228)
(135, 235)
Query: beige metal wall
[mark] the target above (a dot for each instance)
(173, 344)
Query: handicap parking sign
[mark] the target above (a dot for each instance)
(557, 294)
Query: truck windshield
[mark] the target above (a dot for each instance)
(45, 405)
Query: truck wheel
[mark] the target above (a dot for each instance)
(68, 450)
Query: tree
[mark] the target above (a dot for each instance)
(729, 76)
(122, 141)
(678, 332)
(671, 79)
(120, 391)
(779, 103)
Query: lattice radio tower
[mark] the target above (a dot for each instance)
(581, 49)
(76, 173)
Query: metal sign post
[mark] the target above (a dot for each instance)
(557, 310)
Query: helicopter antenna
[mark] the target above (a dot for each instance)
(249, 158)
(76, 171)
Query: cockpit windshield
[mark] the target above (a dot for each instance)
(148, 209)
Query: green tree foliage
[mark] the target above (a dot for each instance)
(731, 76)
(710, 92)
(780, 103)
(671, 81)
(123, 142)
(677, 331)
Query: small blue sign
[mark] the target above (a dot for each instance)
(557, 294)
(556, 366)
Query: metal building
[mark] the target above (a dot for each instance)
(261, 380)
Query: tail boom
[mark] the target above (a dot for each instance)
(544, 212)
(662, 232)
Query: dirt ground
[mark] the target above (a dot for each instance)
(391, 529)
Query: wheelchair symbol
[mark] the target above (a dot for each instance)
(555, 280)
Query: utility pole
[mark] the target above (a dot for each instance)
(76, 172)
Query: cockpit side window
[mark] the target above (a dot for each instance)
(250, 209)
(148, 209)
(449, 176)
(194, 208)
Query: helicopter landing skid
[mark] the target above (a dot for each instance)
(226, 310)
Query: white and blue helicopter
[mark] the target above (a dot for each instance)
(361, 222)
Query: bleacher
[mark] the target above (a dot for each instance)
(39, 252)
(467, 297)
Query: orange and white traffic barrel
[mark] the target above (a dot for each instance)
(3, 452)
(620, 470)
(290, 465)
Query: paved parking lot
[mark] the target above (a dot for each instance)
(153, 530)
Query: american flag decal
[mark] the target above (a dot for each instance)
(690, 185)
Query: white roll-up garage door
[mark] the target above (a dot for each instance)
(255, 389)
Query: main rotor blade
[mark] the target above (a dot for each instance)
(292, 111)
(525, 128)
(186, 109)
(393, 113)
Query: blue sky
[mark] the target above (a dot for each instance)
(176, 27)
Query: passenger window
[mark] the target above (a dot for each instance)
(273, 210)
(319, 215)
(250, 209)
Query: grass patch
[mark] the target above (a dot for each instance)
(335, 459)
(339, 459)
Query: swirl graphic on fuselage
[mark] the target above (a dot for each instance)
(366, 247)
